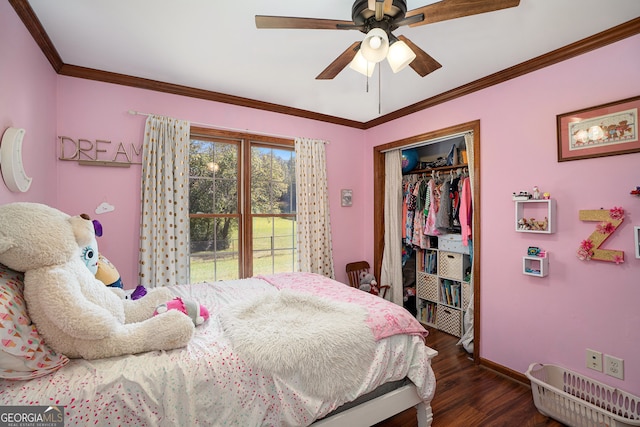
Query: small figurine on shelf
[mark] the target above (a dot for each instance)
(533, 224)
(540, 225)
(546, 196)
(536, 193)
(636, 192)
(533, 251)
(521, 196)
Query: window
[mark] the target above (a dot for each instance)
(242, 205)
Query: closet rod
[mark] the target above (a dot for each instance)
(430, 141)
(275, 135)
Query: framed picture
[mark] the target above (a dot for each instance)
(603, 130)
(346, 197)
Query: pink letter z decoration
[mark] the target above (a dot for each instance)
(608, 223)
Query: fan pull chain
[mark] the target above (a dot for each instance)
(367, 84)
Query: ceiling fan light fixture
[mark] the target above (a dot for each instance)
(375, 45)
(360, 64)
(400, 55)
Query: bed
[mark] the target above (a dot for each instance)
(291, 349)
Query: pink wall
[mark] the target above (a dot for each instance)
(580, 304)
(27, 100)
(94, 110)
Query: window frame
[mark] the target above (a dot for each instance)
(245, 142)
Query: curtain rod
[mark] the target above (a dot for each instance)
(430, 141)
(138, 113)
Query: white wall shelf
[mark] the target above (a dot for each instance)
(535, 266)
(537, 210)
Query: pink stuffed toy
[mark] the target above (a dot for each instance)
(198, 313)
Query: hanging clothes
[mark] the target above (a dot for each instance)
(418, 216)
(466, 212)
(444, 211)
(454, 195)
(419, 238)
(432, 207)
(430, 221)
(427, 201)
(404, 210)
(410, 201)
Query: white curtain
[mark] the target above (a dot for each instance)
(391, 273)
(315, 252)
(467, 336)
(164, 228)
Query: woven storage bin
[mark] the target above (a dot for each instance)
(580, 401)
(449, 320)
(450, 265)
(453, 243)
(427, 286)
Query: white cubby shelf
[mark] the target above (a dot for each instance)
(536, 266)
(537, 209)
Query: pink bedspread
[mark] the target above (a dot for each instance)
(385, 318)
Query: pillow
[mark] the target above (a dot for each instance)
(23, 354)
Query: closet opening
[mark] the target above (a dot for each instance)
(425, 144)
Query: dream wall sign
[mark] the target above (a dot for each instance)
(99, 152)
(608, 222)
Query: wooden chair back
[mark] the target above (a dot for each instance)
(355, 269)
(353, 272)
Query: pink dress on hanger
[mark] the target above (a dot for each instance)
(466, 211)
(430, 223)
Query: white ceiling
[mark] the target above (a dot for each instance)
(214, 45)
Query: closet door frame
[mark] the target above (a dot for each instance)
(378, 208)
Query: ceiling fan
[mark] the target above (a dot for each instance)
(378, 19)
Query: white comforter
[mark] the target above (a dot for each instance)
(206, 384)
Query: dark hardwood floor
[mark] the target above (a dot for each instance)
(472, 396)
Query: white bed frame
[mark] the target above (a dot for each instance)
(382, 407)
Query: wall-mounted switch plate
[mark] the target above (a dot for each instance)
(594, 360)
(614, 366)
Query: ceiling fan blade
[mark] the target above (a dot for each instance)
(339, 63)
(411, 20)
(451, 9)
(424, 63)
(263, 21)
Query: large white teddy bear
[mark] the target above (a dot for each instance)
(76, 314)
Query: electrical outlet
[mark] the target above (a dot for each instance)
(594, 360)
(613, 366)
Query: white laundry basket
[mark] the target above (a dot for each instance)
(579, 401)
